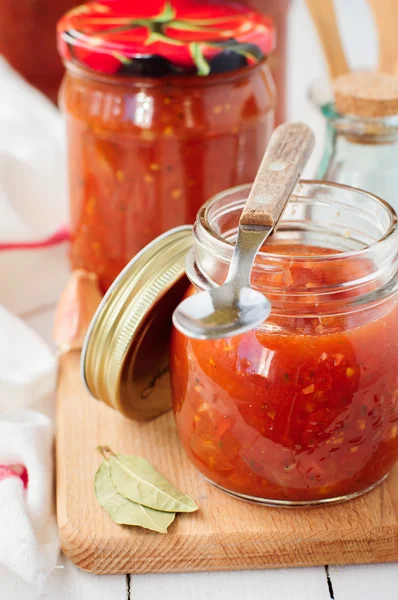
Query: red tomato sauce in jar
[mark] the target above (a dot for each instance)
(164, 108)
(301, 410)
(129, 183)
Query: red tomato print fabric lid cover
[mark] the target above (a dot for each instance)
(163, 37)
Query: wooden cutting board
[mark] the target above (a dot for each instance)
(224, 534)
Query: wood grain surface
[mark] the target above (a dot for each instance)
(225, 534)
(286, 155)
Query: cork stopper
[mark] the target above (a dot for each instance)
(366, 94)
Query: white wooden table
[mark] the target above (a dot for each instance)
(376, 582)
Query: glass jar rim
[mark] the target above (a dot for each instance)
(364, 275)
(203, 222)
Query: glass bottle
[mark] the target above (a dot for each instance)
(361, 152)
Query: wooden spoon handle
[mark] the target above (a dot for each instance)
(324, 17)
(287, 153)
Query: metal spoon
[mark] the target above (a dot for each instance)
(235, 307)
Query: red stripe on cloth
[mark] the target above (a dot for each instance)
(60, 236)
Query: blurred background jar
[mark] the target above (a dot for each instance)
(166, 105)
(278, 10)
(28, 40)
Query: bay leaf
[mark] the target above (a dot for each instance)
(123, 511)
(136, 479)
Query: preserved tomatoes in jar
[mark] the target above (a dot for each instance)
(303, 409)
(166, 103)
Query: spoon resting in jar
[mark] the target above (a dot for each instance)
(235, 307)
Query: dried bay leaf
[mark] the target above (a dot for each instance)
(136, 479)
(123, 511)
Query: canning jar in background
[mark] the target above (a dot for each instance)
(28, 40)
(278, 9)
(304, 409)
(166, 103)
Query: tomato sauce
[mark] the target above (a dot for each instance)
(144, 159)
(304, 408)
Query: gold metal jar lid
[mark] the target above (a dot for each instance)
(125, 354)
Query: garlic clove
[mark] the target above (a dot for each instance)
(76, 307)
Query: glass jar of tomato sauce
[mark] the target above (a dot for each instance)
(166, 103)
(303, 410)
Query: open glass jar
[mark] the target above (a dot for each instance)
(303, 410)
(166, 103)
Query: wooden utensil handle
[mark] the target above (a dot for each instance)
(324, 17)
(385, 13)
(285, 157)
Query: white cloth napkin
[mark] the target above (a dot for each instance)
(27, 366)
(33, 194)
(33, 207)
(28, 532)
